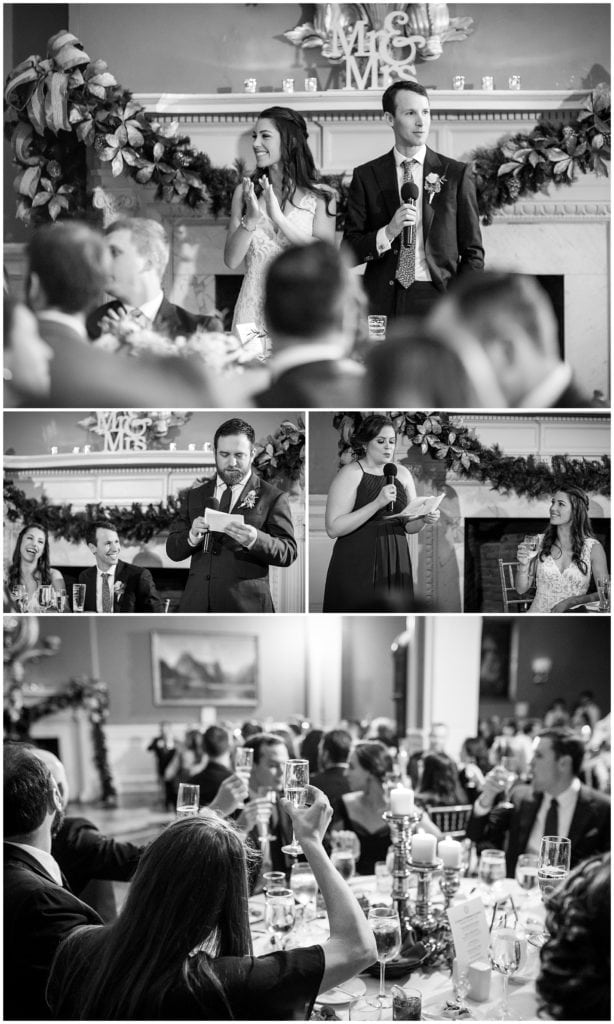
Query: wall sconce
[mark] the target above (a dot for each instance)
(541, 668)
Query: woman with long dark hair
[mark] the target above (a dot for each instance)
(281, 204)
(181, 947)
(30, 566)
(370, 568)
(567, 555)
(440, 785)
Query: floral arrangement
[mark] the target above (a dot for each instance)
(65, 105)
(218, 351)
(445, 439)
(281, 455)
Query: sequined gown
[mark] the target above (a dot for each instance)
(370, 568)
(552, 585)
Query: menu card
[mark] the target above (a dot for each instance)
(469, 930)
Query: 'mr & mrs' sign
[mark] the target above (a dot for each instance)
(372, 56)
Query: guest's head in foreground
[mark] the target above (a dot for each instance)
(103, 541)
(417, 367)
(511, 317)
(26, 356)
(311, 297)
(279, 141)
(30, 557)
(139, 251)
(575, 977)
(33, 806)
(67, 269)
(234, 447)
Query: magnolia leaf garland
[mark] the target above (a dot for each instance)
(61, 106)
(444, 438)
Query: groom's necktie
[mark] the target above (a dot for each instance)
(406, 267)
(226, 500)
(107, 601)
(551, 824)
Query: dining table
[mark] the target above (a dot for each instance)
(435, 984)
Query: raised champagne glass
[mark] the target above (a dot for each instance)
(188, 800)
(244, 762)
(296, 780)
(386, 928)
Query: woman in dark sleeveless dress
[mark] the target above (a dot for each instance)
(370, 568)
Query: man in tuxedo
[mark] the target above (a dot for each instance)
(229, 570)
(111, 584)
(139, 252)
(39, 909)
(511, 317)
(333, 757)
(412, 249)
(312, 306)
(216, 745)
(556, 803)
(68, 265)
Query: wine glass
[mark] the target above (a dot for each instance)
(244, 762)
(279, 914)
(386, 928)
(296, 780)
(188, 800)
(19, 593)
(45, 597)
(505, 957)
(491, 871)
(303, 885)
(526, 873)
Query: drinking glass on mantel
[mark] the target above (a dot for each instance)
(386, 928)
(188, 800)
(296, 780)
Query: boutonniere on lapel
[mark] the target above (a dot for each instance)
(118, 591)
(248, 501)
(433, 184)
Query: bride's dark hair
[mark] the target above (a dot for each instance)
(297, 164)
(42, 572)
(580, 527)
(368, 429)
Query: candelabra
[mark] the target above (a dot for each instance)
(423, 916)
(401, 827)
(449, 884)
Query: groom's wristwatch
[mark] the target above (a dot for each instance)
(244, 224)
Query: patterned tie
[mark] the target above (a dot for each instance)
(107, 601)
(226, 499)
(406, 267)
(551, 824)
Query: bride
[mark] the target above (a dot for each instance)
(282, 204)
(567, 554)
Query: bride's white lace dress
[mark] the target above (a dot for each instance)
(266, 243)
(553, 586)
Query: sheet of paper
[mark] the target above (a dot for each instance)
(418, 507)
(218, 521)
(469, 930)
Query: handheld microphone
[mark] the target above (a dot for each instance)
(213, 504)
(409, 194)
(390, 471)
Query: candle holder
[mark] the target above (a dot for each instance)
(449, 884)
(401, 827)
(424, 917)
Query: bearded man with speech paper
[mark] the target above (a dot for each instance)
(234, 527)
(412, 214)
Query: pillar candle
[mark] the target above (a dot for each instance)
(450, 852)
(401, 800)
(423, 846)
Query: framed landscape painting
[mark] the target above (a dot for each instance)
(217, 668)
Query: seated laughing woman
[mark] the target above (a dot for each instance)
(181, 947)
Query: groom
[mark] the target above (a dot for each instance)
(412, 249)
(229, 571)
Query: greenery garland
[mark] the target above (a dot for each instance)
(445, 439)
(61, 107)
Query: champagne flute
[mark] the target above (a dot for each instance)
(505, 957)
(244, 762)
(279, 914)
(296, 780)
(386, 926)
(553, 866)
(188, 800)
(509, 764)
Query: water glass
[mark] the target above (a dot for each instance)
(273, 880)
(376, 324)
(45, 597)
(344, 862)
(303, 885)
(603, 589)
(406, 1003)
(491, 871)
(383, 878)
(287, 84)
(279, 914)
(514, 82)
(311, 85)
(526, 872)
(61, 600)
(366, 1008)
(188, 800)
(250, 85)
(78, 597)
(488, 83)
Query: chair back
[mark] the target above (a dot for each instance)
(512, 600)
(452, 820)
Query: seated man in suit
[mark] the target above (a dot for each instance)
(270, 753)
(412, 247)
(556, 803)
(113, 585)
(139, 253)
(229, 571)
(512, 319)
(216, 745)
(333, 758)
(312, 306)
(39, 909)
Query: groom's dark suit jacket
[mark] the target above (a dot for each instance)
(170, 319)
(228, 577)
(38, 914)
(509, 828)
(450, 224)
(139, 594)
